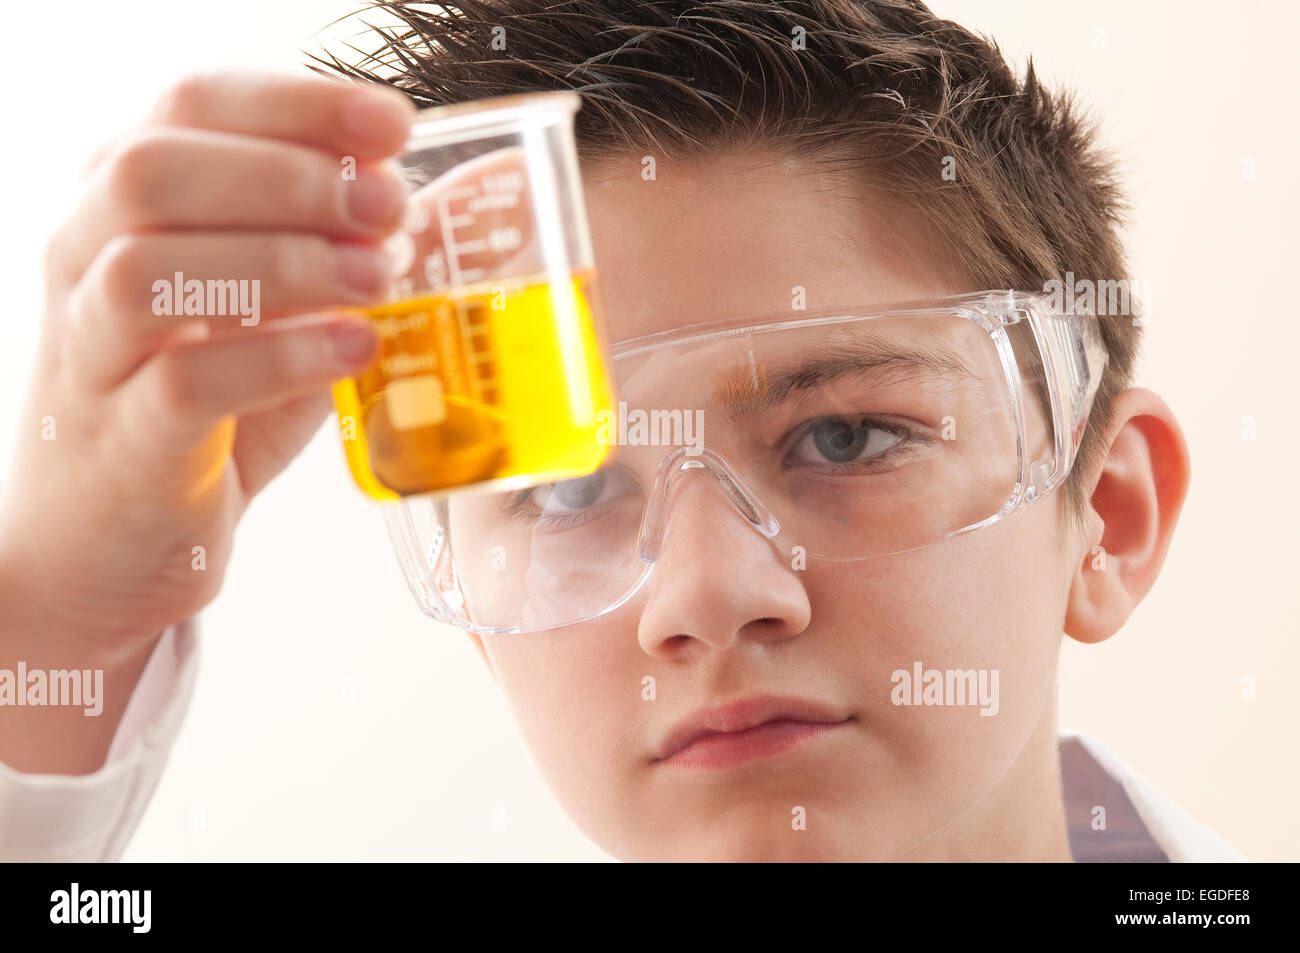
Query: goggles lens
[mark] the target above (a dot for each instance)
(848, 437)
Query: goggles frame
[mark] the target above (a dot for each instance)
(1073, 358)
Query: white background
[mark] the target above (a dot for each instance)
(333, 721)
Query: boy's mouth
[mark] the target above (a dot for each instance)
(733, 734)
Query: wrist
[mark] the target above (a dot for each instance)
(37, 629)
(68, 692)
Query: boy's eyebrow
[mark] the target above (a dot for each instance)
(749, 389)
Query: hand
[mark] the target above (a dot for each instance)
(146, 435)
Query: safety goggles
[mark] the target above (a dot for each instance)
(837, 435)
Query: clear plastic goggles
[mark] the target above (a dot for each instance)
(837, 435)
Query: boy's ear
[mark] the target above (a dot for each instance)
(1134, 505)
(478, 644)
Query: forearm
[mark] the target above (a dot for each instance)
(62, 723)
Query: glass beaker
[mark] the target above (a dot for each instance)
(491, 367)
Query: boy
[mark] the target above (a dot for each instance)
(857, 523)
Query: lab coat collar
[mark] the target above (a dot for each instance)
(1139, 824)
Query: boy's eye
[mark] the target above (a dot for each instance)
(844, 440)
(573, 494)
(578, 494)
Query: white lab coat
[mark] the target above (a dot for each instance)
(92, 817)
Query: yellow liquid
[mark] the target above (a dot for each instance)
(503, 382)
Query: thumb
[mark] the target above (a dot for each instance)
(266, 442)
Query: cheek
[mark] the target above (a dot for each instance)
(576, 698)
(991, 601)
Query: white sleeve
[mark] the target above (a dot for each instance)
(90, 817)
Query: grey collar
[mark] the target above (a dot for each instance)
(1090, 790)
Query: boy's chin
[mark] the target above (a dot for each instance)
(761, 835)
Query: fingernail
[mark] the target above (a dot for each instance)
(353, 341)
(376, 199)
(360, 267)
(377, 119)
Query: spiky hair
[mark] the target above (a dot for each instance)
(881, 90)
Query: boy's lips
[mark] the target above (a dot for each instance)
(725, 736)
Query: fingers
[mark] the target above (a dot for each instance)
(183, 391)
(135, 293)
(367, 122)
(362, 121)
(267, 442)
(351, 125)
(171, 178)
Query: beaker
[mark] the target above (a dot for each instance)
(491, 368)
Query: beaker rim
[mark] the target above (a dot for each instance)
(458, 118)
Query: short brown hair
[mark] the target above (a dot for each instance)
(881, 88)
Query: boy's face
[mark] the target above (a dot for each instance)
(724, 616)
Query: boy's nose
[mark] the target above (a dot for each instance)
(718, 578)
